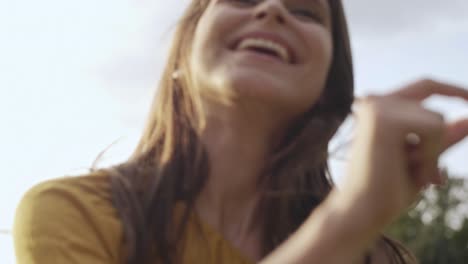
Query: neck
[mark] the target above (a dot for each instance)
(238, 145)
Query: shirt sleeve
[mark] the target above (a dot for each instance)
(62, 222)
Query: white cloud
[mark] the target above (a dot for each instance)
(383, 18)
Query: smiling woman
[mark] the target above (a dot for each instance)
(235, 66)
(232, 164)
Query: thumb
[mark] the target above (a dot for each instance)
(455, 133)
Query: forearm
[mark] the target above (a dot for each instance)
(337, 232)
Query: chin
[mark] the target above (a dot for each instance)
(258, 86)
(262, 91)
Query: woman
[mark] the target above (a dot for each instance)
(232, 164)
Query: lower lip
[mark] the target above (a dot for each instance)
(260, 56)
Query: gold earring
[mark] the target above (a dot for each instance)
(176, 74)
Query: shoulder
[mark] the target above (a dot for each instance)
(69, 214)
(57, 198)
(95, 185)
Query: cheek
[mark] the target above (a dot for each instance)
(205, 44)
(322, 50)
(321, 56)
(199, 59)
(316, 72)
(210, 58)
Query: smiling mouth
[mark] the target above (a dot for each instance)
(265, 47)
(263, 52)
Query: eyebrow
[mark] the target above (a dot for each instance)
(323, 4)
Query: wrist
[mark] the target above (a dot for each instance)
(352, 215)
(335, 232)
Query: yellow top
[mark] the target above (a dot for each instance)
(72, 220)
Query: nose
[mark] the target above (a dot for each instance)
(271, 10)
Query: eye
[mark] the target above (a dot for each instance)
(244, 2)
(307, 15)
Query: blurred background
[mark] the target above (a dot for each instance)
(77, 76)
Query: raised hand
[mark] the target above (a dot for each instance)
(397, 148)
(394, 155)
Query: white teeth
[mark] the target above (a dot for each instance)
(279, 49)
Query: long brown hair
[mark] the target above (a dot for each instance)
(170, 164)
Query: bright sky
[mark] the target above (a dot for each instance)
(78, 75)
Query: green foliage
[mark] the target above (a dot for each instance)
(436, 229)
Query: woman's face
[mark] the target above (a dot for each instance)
(274, 52)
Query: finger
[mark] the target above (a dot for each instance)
(441, 176)
(421, 90)
(428, 170)
(423, 154)
(433, 174)
(418, 176)
(455, 132)
(413, 154)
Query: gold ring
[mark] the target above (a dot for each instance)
(413, 139)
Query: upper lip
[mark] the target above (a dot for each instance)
(268, 36)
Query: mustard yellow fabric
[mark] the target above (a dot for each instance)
(72, 220)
